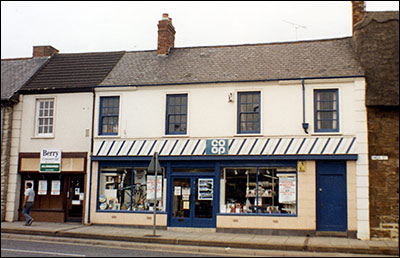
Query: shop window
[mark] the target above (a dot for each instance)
(129, 189)
(176, 114)
(326, 110)
(45, 117)
(249, 112)
(109, 114)
(260, 190)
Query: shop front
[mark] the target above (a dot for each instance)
(59, 188)
(261, 185)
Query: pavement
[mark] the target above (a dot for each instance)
(204, 238)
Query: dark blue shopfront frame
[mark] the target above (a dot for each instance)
(213, 162)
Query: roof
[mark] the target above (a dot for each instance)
(250, 62)
(376, 40)
(262, 146)
(73, 72)
(16, 72)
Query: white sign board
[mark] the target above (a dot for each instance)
(287, 189)
(50, 161)
(151, 186)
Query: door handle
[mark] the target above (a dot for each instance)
(68, 194)
(320, 189)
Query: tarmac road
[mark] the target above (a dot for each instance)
(15, 245)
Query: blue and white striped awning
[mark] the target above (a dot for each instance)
(340, 145)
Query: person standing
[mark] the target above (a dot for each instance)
(28, 203)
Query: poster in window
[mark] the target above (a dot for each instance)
(151, 186)
(205, 188)
(42, 187)
(55, 187)
(287, 189)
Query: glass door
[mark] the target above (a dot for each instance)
(75, 198)
(192, 202)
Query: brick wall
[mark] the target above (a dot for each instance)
(6, 118)
(383, 137)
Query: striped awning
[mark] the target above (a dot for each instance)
(340, 145)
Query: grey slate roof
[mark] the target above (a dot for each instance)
(250, 62)
(73, 72)
(16, 72)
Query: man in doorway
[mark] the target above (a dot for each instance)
(28, 203)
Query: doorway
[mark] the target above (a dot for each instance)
(331, 196)
(193, 201)
(74, 198)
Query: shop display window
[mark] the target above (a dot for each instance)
(129, 189)
(260, 190)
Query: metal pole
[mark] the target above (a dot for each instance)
(155, 194)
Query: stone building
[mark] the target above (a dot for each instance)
(376, 42)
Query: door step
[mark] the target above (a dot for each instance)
(331, 234)
(187, 229)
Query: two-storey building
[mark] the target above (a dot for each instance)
(267, 138)
(52, 136)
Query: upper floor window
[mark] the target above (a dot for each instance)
(326, 110)
(45, 117)
(109, 114)
(249, 112)
(176, 114)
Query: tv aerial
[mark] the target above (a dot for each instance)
(296, 26)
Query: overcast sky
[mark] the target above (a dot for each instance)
(76, 27)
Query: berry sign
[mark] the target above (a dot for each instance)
(217, 147)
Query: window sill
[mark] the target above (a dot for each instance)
(99, 137)
(249, 135)
(42, 137)
(176, 136)
(326, 134)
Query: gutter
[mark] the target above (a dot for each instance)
(215, 82)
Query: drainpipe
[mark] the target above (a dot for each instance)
(304, 124)
(90, 158)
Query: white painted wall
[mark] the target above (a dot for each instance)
(73, 116)
(143, 109)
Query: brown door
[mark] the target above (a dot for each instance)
(75, 198)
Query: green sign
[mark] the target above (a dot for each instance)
(48, 167)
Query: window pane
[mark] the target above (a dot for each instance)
(271, 191)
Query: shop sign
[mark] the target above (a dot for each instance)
(50, 161)
(217, 147)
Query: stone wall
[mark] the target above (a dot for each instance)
(383, 137)
(6, 118)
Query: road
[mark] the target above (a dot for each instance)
(13, 245)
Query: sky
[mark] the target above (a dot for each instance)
(80, 26)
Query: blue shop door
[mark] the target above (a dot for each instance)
(331, 196)
(192, 202)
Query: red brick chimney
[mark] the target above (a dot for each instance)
(166, 35)
(39, 51)
(358, 11)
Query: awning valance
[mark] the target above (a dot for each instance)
(265, 146)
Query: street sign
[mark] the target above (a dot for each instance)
(154, 164)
